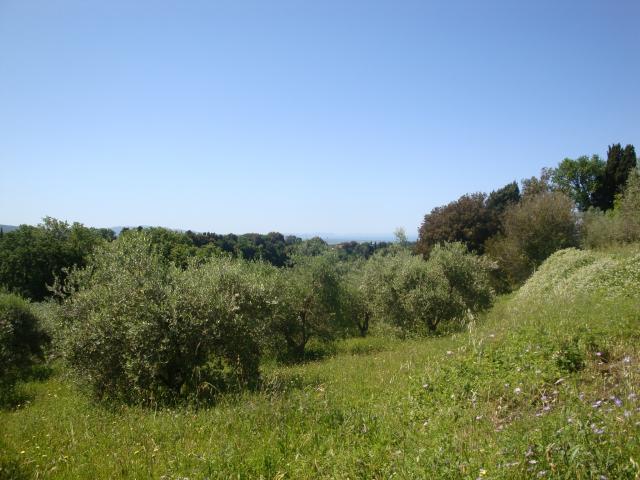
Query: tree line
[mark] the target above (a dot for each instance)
(584, 201)
(32, 257)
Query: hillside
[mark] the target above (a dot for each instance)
(543, 386)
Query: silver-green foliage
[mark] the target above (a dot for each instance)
(138, 329)
(417, 295)
(307, 305)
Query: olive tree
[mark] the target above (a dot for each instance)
(139, 329)
(308, 304)
(419, 295)
(357, 304)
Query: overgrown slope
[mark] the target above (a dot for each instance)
(544, 386)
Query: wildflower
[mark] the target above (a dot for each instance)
(517, 390)
(627, 359)
(616, 400)
(597, 404)
(542, 473)
(449, 352)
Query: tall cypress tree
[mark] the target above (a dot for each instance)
(620, 161)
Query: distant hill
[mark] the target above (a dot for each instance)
(7, 228)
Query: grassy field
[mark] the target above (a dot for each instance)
(542, 386)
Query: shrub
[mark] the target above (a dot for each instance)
(417, 295)
(139, 330)
(355, 302)
(618, 226)
(448, 286)
(21, 340)
(569, 357)
(533, 229)
(308, 305)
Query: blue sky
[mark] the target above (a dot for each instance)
(300, 116)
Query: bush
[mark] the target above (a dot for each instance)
(355, 301)
(139, 330)
(618, 226)
(21, 340)
(533, 229)
(308, 305)
(569, 357)
(417, 295)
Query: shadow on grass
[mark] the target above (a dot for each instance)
(13, 394)
(11, 468)
(15, 399)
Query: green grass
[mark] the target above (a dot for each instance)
(537, 388)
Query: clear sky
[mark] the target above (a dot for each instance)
(300, 116)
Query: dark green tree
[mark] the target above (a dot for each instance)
(620, 161)
(464, 220)
(472, 220)
(580, 179)
(31, 257)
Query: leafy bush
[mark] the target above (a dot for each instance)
(355, 300)
(618, 226)
(21, 340)
(417, 295)
(533, 229)
(308, 305)
(569, 357)
(139, 330)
